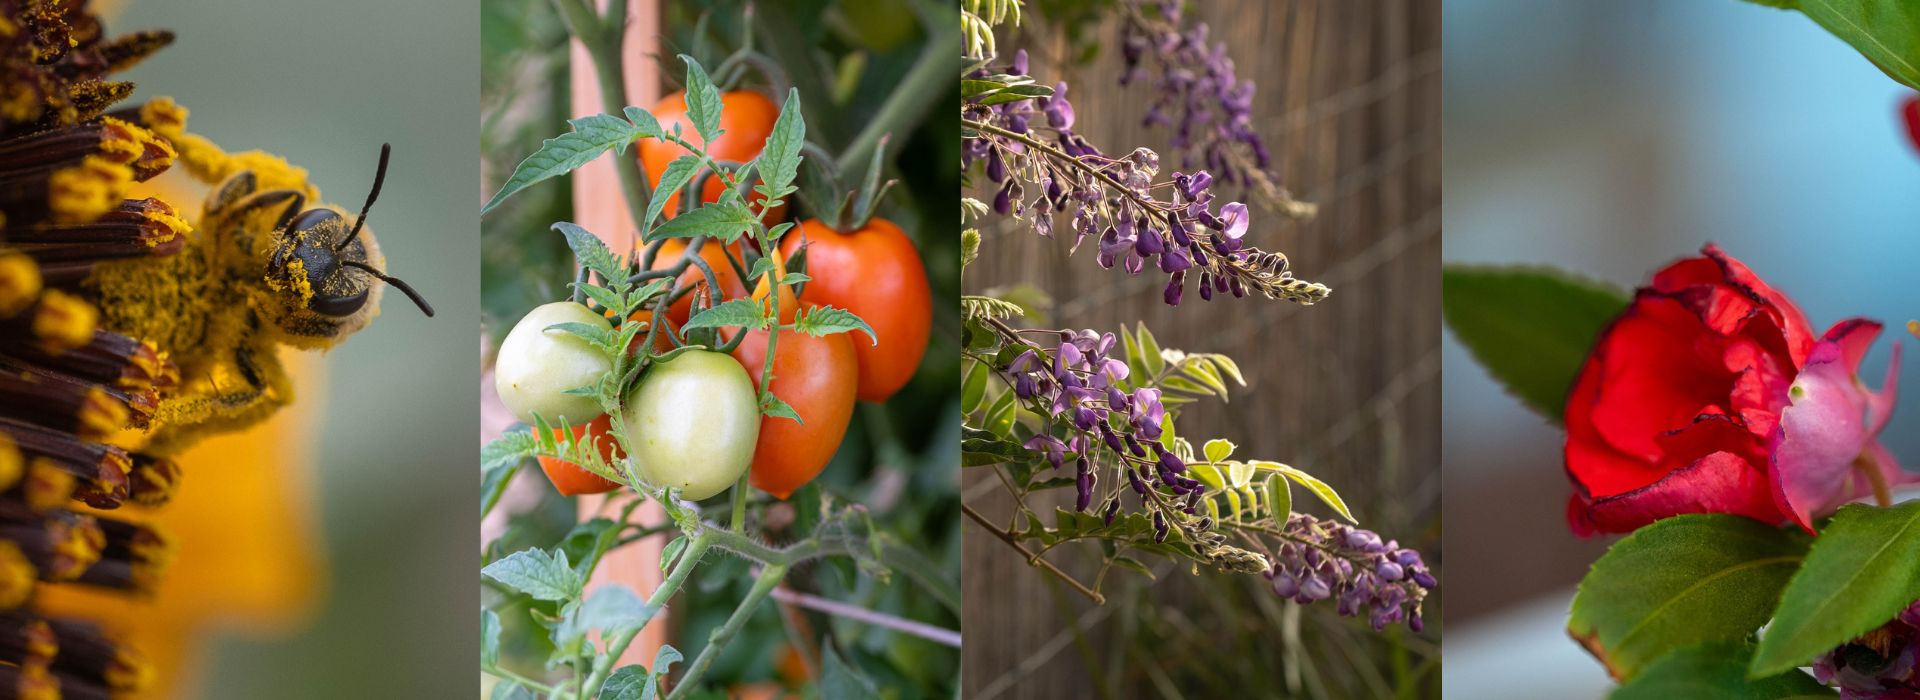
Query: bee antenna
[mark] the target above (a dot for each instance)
(396, 282)
(379, 177)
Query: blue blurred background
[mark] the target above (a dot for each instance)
(1611, 138)
(324, 84)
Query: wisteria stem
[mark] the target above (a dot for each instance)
(1031, 559)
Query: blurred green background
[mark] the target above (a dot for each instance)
(324, 84)
(900, 459)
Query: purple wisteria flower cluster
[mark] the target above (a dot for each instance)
(1322, 559)
(1029, 145)
(1881, 665)
(1097, 424)
(1200, 98)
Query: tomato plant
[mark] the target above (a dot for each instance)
(817, 377)
(569, 478)
(876, 273)
(717, 374)
(691, 423)
(538, 364)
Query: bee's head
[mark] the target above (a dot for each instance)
(329, 276)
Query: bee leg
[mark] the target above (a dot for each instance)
(246, 387)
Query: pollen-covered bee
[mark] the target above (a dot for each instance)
(263, 269)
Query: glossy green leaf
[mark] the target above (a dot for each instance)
(1716, 671)
(973, 389)
(1319, 488)
(489, 639)
(1218, 450)
(1680, 582)
(1279, 497)
(1864, 568)
(1150, 356)
(1000, 414)
(1530, 327)
(1886, 32)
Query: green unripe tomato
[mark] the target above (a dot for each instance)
(537, 366)
(692, 423)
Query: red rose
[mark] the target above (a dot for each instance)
(1710, 394)
(1912, 112)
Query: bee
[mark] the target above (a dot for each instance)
(267, 266)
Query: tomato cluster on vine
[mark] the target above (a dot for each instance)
(693, 421)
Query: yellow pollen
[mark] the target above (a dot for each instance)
(16, 576)
(77, 548)
(12, 464)
(64, 321)
(19, 283)
(36, 683)
(47, 486)
(101, 415)
(81, 193)
(164, 116)
(130, 672)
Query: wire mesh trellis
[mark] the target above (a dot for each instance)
(1349, 104)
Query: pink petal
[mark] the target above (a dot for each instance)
(1830, 421)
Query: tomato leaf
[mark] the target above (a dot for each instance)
(1679, 582)
(489, 639)
(614, 608)
(675, 176)
(590, 251)
(591, 136)
(536, 573)
(772, 407)
(600, 335)
(1864, 568)
(628, 682)
(509, 450)
(1531, 328)
(780, 158)
(827, 319)
(841, 682)
(703, 100)
(743, 313)
(644, 125)
(1715, 671)
(724, 221)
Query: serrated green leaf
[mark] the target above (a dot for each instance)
(600, 335)
(590, 251)
(1531, 328)
(823, 320)
(591, 136)
(644, 124)
(508, 450)
(536, 573)
(663, 660)
(703, 100)
(493, 484)
(973, 389)
(1679, 582)
(671, 553)
(627, 683)
(1864, 568)
(841, 682)
(1715, 671)
(614, 608)
(672, 178)
(723, 221)
(780, 158)
(772, 407)
(606, 298)
(742, 313)
(489, 639)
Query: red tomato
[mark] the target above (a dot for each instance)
(875, 273)
(568, 477)
(730, 284)
(746, 116)
(817, 377)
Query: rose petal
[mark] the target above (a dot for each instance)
(1659, 369)
(1721, 482)
(1830, 421)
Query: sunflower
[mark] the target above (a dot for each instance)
(93, 375)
